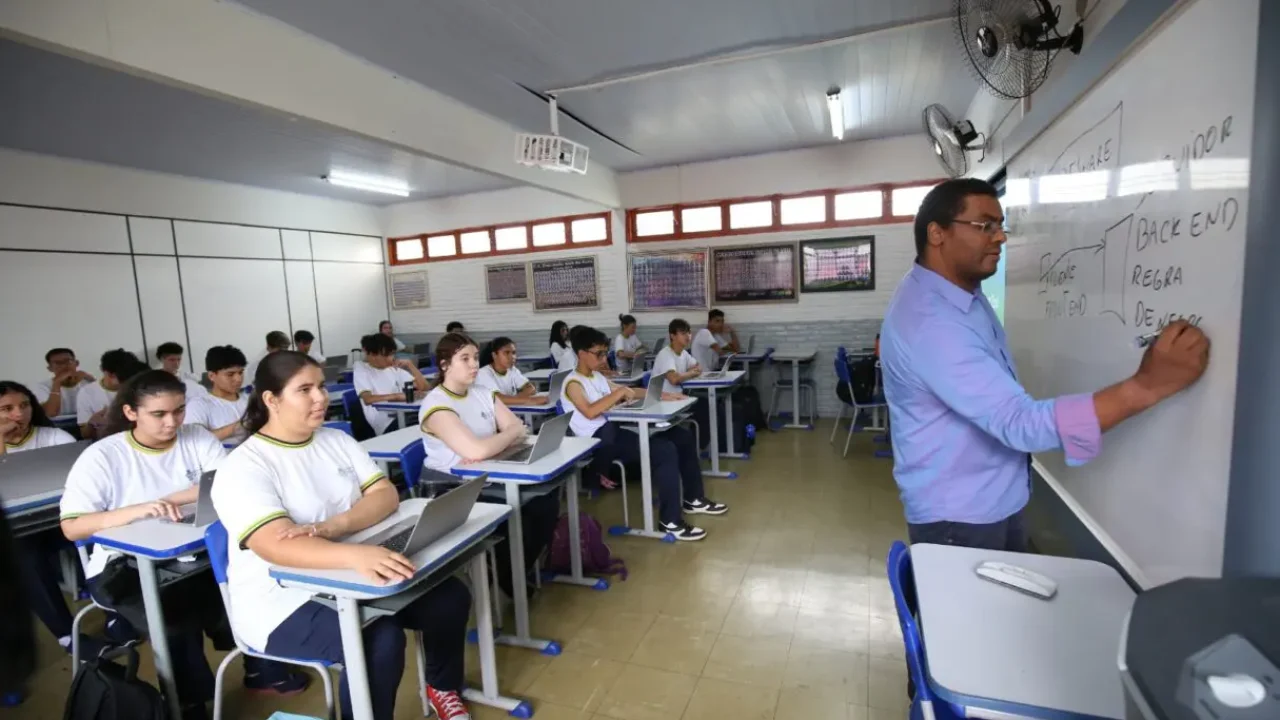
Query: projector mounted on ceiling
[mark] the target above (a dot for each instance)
(551, 152)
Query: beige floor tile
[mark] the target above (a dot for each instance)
(708, 608)
(643, 693)
(721, 700)
(610, 634)
(756, 661)
(834, 671)
(771, 584)
(517, 667)
(748, 618)
(813, 703)
(677, 644)
(832, 630)
(839, 593)
(575, 681)
(887, 685)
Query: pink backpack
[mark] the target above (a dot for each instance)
(596, 557)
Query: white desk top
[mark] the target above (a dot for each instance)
(540, 375)
(796, 354)
(388, 447)
(400, 406)
(152, 538)
(349, 583)
(729, 378)
(543, 409)
(995, 648)
(664, 411)
(64, 419)
(548, 468)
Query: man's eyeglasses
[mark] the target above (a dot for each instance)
(988, 228)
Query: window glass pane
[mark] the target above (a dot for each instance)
(548, 234)
(751, 214)
(511, 238)
(589, 229)
(906, 201)
(796, 211)
(475, 242)
(700, 219)
(657, 222)
(410, 249)
(441, 246)
(859, 205)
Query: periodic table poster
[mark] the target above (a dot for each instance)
(564, 284)
(838, 264)
(668, 280)
(506, 283)
(757, 273)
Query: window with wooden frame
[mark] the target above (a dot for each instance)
(559, 233)
(814, 210)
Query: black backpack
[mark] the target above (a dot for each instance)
(863, 375)
(104, 690)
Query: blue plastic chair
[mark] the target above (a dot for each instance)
(613, 360)
(925, 705)
(215, 539)
(354, 409)
(844, 377)
(343, 425)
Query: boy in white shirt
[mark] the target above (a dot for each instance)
(170, 356)
(381, 378)
(304, 342)
(673, 363)
(93, 401)
(276, 341)
(57, 395)
(221, 409)
(711, 343)
(501, 376)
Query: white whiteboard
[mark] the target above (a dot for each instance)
(352, 300)
(1128, 210)
(233, 302)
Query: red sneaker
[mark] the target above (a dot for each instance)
(447, 704)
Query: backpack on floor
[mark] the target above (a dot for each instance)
(596, 556)
(104, 690)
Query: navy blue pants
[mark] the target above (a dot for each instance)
(312, 633)
(673, 462)
(37, 557)
(1009, 534)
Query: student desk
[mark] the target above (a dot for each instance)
(797, 357)
(541, 376)
(386, 448)
(646, 421)
(524, 359)
(65, 421)
(31, 501)
(563, 461)
(529, 412)
(1002, 654)
(350, 589)
(725, 382)
(747, 359)
(150, 541)
(406, 412)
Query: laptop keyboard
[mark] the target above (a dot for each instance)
(397, 542)
(519, 455)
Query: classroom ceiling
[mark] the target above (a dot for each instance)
(490, 54)
(70, 108)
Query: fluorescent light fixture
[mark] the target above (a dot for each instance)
(1147, 177)
(365, 182)
(1074, 187)
(835, 109)
(1017, 192)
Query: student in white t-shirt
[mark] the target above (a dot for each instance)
(381, 378)
(58, 394)
(148, 466)
(462, 422)
(501, 375)
(676, 469)
(221, 409)
(559, 346)
(714, 341)
(675, 365)
(627, 345)
(23, 423)
(170, 356)
(384, 328)
(287, 496)
(93, 400)
(276, 341)
(304, 342)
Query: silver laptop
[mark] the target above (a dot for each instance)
(440, 516)
(751, 345)
(332, 374)
(204, 513)
(724, 367)
(637, 365)
(556, 386)
(652, 396)
(337, 361)
(37, 471)
(547, 441)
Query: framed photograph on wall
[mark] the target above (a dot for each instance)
(508, 282)
(673, 280)
(755, 273)
(565, 284)
(838, 264)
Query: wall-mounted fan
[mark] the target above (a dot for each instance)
(1011, 43)
(952, 140)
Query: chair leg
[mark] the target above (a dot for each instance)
(852, 424)
(422, 672)
(217, 682)
(626, 511)
(330, 697)
(75, 636)
(836, 425)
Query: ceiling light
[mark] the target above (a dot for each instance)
(836, 110)
(364, 182)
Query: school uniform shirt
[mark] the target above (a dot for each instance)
(666, 361)
(595, 386)
(367, 378)
(91, 399)
(117, 472)
(252, 368)
(40, 437)
(476, 410)
(702, 351)
(568, 360)
(399, 345)
(264, 480)
(507, 383)
(194, 388)
(558, 352)
(316, 355)
(622, 343)
(43, 389)
(213, 412)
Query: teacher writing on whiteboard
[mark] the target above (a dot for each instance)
(962, 426)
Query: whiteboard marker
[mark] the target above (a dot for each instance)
(1144, 340)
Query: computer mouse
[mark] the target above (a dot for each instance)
(1237, 690)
